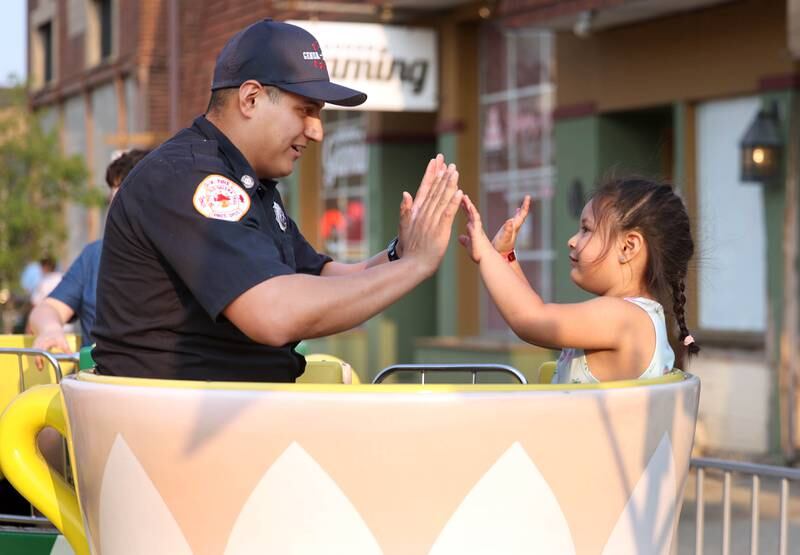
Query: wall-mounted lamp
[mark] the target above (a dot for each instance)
(761, 147)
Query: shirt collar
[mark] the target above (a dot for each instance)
(232, 155)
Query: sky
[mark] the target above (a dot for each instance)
(12, 39)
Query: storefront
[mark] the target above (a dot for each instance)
(482, 95)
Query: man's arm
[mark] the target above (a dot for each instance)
(333, 268)
(293, 307)
(46, 322)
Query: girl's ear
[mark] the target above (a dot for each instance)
(632, 245)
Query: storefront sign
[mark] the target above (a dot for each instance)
(396, 66)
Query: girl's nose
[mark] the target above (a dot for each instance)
(572, 242)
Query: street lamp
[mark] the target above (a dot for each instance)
(761, 147)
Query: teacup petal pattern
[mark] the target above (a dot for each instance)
(511, 510)
(130, 505)
(298, 508)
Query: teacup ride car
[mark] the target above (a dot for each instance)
(175, 467)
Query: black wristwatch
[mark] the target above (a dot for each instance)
(391, 250)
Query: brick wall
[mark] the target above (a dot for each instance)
(72, 76)
(205, 28)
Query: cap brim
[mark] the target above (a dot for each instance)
(325, 91)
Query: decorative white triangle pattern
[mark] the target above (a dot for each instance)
(511, 510)
(134, 518)
(646, 524)
(61, 547)
(298, 508)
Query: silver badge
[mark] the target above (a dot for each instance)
(280, 217)
(248, 181)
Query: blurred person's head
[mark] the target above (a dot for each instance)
(48, 264)
(270, 84)
(118, 170)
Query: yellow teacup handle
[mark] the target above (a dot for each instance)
(25, 467)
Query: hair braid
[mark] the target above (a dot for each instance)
(679, 298)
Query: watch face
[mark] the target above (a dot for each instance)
(392, 249)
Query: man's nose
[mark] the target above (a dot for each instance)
(314, 129)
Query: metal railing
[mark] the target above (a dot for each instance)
(474, 369)
(756, 473)
(54, 359)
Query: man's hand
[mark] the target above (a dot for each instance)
(409, 207)
(50, 340)
(46, 321)
(428, 220)
(506, 237)
(475, 241)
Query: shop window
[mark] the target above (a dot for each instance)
(517, 149)
(43, 54)
(100, 31)
(343, 222)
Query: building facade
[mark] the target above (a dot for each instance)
(537, 97)
(669, 89)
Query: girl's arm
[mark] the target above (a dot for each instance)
(601, 323)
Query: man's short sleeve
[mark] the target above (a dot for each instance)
(71, 288)
(207, 230)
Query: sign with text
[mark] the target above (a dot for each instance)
(396, 66)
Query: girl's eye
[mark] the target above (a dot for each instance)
(585, 229)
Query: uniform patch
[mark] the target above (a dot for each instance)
(280, 217)
(220, 198)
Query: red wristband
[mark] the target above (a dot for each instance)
(511, 256)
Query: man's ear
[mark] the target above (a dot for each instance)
(631, 246)
(248, 94)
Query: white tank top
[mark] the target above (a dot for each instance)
(572, 366)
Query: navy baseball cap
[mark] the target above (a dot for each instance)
(283, 55)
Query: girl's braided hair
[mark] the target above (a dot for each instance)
(658, 213)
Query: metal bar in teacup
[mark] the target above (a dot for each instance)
(474, 369)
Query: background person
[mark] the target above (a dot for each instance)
(75, 295)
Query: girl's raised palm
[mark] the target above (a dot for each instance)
(475, 241)
(506, 237)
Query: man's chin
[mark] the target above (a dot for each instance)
(277, 173)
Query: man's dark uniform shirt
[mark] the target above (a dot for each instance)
(168, 271)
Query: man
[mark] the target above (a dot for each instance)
(75, 294)
(203, 276)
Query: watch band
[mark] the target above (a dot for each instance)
(391, 250)
(511, 256)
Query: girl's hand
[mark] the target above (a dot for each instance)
(506, 237)
(475, 241)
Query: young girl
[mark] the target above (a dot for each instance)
(631, 250)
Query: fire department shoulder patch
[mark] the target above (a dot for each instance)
(220, 198)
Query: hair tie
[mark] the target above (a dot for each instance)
(688, 340)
